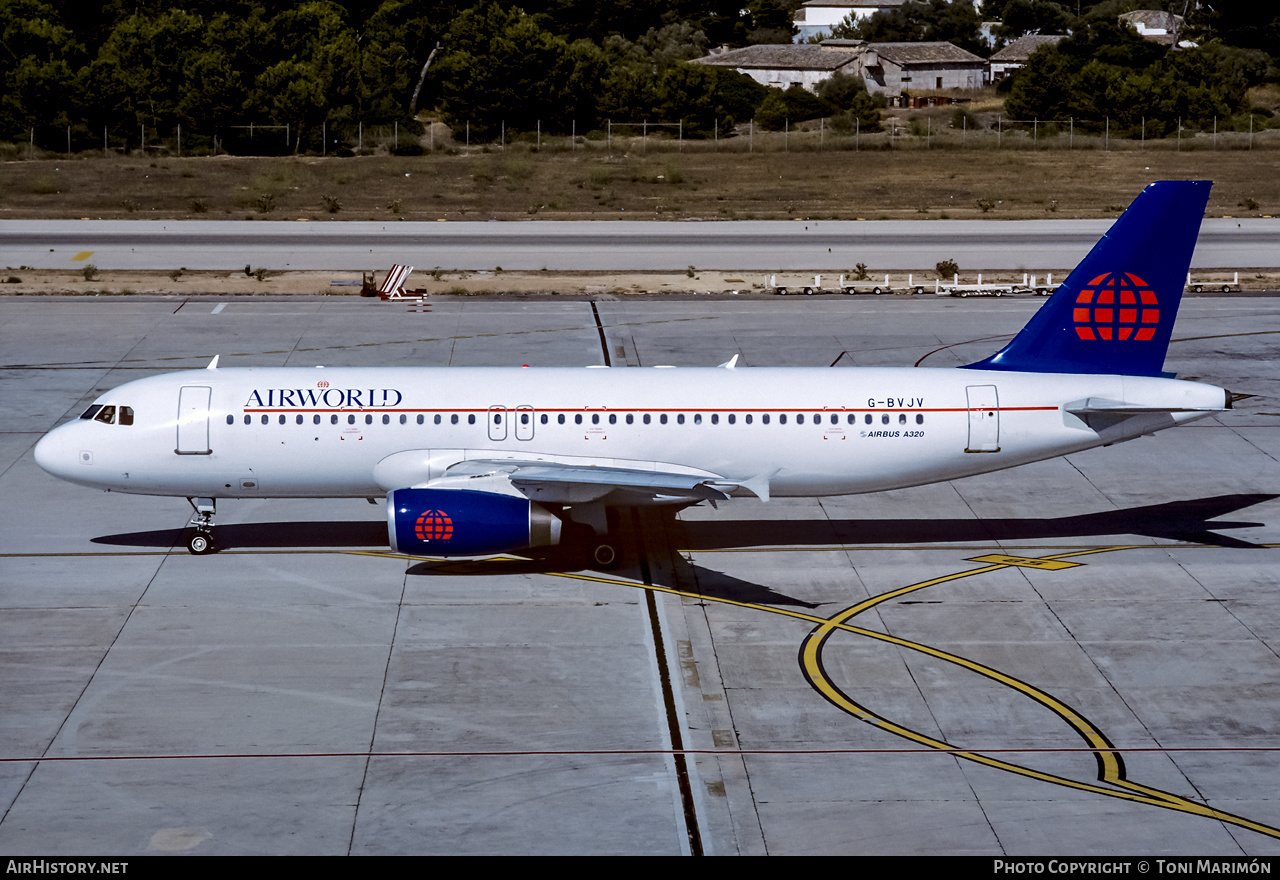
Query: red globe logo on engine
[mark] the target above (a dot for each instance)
(1117, 306)
(433, 525)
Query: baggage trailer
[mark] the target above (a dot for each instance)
(1232, 286)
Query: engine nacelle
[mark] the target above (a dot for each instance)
(458, 522)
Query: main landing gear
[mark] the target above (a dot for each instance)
(201, 541)
(604, 554)
(581, 547)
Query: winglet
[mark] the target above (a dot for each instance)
(731, 363)
(213, 364)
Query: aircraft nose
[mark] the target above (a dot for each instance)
(52, 454)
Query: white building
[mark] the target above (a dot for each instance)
(1015, 55)
(783, 65)
(821, 16)
(891, 68)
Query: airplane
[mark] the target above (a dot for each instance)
(491, 460)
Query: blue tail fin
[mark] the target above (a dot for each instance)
(1115, 312)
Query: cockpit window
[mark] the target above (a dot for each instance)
(106, 414)
(126, 415)
(91, 411)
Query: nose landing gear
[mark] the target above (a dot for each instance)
(201, 540)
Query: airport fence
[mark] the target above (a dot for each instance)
(898, 131)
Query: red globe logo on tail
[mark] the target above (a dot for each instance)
(1116, 306)
(433, 525)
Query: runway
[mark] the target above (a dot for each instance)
(827, 246)
(1077, 657)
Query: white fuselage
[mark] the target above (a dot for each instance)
(360, 432)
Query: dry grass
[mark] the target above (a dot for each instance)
(765, 177)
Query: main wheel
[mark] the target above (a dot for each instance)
(605, 555)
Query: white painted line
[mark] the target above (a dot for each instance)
(219, 307)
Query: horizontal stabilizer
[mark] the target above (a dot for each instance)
(1101, 406)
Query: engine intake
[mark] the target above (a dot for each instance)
(457, 522)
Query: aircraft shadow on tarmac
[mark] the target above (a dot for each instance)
(1190, 521)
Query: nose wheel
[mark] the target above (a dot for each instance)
(200, 543)
(201, 540)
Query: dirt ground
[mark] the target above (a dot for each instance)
(50, 282)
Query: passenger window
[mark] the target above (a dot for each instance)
(231, 420)
(315, 419)
(560, 419)
(715, 419)
(630, 418)
(107, 414)
(613, 418)
(351, 419)
(902, 418)
(747, 417)
(697, 418)
(595, 418)
(884, 419)
(453, 419)
(248, 419)
(126, 415)
(298, 420)
(680, 419)
(386, 419)
(577, 418)
(471, 419)
(868, 418)
(265, 418)
(282, 418)
(919, 418)
(422, 418)
(368, 419)
(543, 418)
(799, 418)
(333, 419)
(765, 418)
(732, 418)
(646, 418)
(663, 418)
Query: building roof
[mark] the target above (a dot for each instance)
(906, 54)
(1153, 19)
(780, 56)
(842, 45)
(1020, 49)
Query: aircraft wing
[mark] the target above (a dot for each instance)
(576, 484)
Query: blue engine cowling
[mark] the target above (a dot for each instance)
(458, 522)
